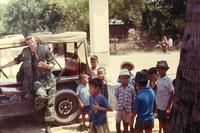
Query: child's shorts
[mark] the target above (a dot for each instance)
(85, 109)
(162, 115)
(99, 128)
(144, 125)
(123, 116)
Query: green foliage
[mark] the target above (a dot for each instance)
(154, 18)
(164, 18)
(54, 16)
(2, 13)
(23, 15)
(127, 10)
(75, 14)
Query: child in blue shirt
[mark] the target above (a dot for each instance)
(143, 105)
(99, 107)
(82, 92)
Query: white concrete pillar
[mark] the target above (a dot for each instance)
(99, 30)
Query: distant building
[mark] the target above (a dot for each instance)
(118, 30)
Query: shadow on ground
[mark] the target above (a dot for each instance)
(24, 124)
(27, 124)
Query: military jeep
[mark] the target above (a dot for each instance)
(71, 63)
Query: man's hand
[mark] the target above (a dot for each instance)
(43, 65)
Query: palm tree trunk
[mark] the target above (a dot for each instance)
(186, 107)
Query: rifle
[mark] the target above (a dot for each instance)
(3, 73)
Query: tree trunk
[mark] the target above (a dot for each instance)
(186, 107)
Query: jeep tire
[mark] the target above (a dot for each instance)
(66, 106)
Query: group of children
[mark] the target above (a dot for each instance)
(150, 91)
(93, 98)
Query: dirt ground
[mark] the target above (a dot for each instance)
(141, 61)
(27, 125)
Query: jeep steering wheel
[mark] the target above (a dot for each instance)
(3, 73)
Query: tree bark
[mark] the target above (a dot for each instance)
(186, 107)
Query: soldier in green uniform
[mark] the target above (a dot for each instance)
(37, 81)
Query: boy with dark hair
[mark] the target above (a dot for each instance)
(99, 107)
(94, 65)
(164, 95)
(101, 72)
(143, 105)
(82, 92)
(153, 77)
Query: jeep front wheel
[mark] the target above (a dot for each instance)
(66, 107)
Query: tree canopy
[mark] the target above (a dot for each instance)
(152, 17)
(37, 15)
